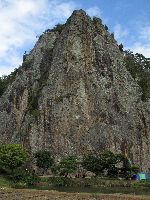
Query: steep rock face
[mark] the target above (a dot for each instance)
(73, 94)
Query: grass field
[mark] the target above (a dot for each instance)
(4, 183)
(63, 193)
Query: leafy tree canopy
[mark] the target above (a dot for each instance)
(44, 159)
(139, 67)
(12, 156)
(67, 165)
(107, 163)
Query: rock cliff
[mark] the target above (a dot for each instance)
(73, 94)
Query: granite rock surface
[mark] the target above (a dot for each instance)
(73, 94)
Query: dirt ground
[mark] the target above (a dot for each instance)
(24, 194)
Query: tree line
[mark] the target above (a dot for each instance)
(104, 164)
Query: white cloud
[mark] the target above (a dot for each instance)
(141, 48)
(142, 44)
(119, 32)
(21, 21)
(64, 9)
(139, 42)
(94, 11)
(6, 70)
(145, 33)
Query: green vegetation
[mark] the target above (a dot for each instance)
(22, 177)
(57, 27)
(4, 182)
(108, 164)
(97, 20)
(44, 159)
(67, 166)
(106, 27)
(121, 47)
(5, 81)
(12, 156)
(139, 67)
(42, 81)
(26, 63)
(112, 35)
(87, 182)
(33, 106)
(104, 165)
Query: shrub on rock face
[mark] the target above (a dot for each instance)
(7, 80)
(106, 27)
(121, 47)
(58, 27)
(139, 68)
(97, 20)
(12, 156)
(44, 159)
(112, 35)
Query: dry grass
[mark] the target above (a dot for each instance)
(24, 194)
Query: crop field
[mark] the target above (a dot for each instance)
(25, 194)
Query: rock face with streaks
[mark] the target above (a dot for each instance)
(73, 94)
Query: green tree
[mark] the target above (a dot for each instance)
(139, 67)
(121, 47)
(12, 156)
(97, 20)
(58, 27)
(99, 163)
(68, 165)
(109, 161)
(106, 27)
(7, 80)
(106, 163)
(127, 169)
(112, 35)
(93, 163)
(44, 159)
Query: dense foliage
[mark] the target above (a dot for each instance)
(97, 20)
(109, 164)
(105, 164)
(67, 165)
(44, 159)
(25, 177)
(57, 27)
(121, 47)
(139, 67)
(12, 156)
(7, 80)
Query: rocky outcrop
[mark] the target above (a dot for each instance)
(73, 94)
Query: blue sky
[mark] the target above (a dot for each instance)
(22, 20)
